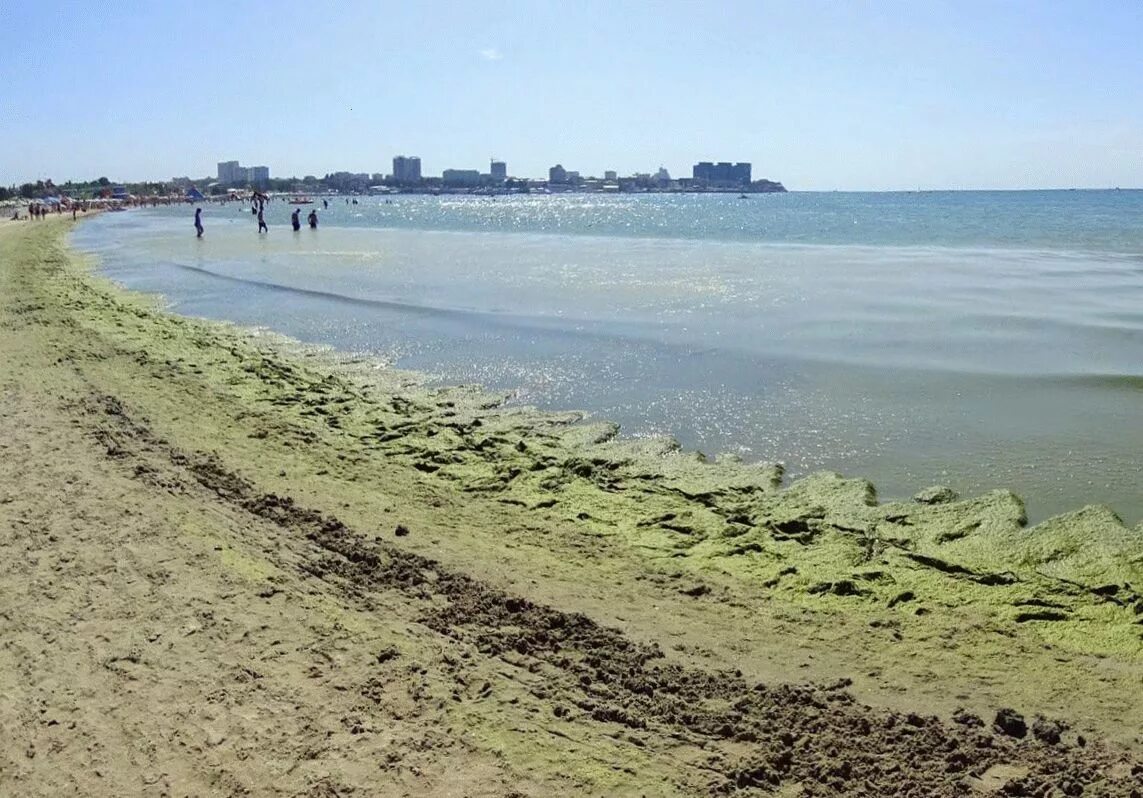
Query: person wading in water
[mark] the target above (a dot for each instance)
(198, 222)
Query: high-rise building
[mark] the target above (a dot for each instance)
(233, 173)
(723, 173)
(498, 170)
(610, 175)
(557, 174)
(461, 177)
(229, 172)
(406, 170)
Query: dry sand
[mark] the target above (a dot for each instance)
(234, 570)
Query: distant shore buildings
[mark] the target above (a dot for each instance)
(723, 173)
(231, 173)
(461, 178)
(406, 170)
(407, 176)
(706, 176)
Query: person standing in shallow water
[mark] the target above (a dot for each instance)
(198, 222)
(312, 219)
(262, 228)
(295, 219)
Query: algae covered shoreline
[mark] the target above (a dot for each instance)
(1089, 547)
(579, 612)
(869, 361)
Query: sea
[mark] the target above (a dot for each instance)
(978, 340)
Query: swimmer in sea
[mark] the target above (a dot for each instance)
(198, 222)
(262, 227)
(295, 221)
(312, 219)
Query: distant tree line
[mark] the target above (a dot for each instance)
(77, 188)
(336, 181)
(46, 188)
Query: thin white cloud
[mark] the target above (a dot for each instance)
(491, 54)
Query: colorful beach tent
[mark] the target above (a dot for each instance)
(194, 194)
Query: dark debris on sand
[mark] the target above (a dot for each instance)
(759, 737)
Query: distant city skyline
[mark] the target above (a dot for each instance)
(407, 169)
(817, 94)
(407, 175)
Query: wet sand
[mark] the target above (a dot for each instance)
(237, 566)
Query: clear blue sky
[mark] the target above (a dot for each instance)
(821, 95)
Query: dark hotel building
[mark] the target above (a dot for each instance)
(722, 173)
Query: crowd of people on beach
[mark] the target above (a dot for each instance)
(258, 209)
(41, 210)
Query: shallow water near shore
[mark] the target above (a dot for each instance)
(958, 339)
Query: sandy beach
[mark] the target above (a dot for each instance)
(236, 566)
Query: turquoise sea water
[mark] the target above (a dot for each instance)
(976, 339)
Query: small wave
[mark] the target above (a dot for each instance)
(558, 325)
(1117, 382)
(406, 307)
(606, 336)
